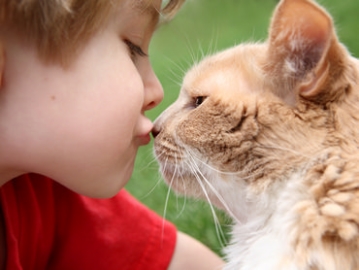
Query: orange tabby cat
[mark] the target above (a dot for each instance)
(269, 132)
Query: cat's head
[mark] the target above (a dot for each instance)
(252, 115)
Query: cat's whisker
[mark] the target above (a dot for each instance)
(167, 195)
(174, 178)
(176, 64)
(175, 80)
(218, 228)
(159, 155)
(215, 192)
(193, 58)
(177, 71)
(238, 174)
(200, 49)
(151, 164)
(184, 198)
(213, 44)
(211, 167)
(148, 162)
(184, 192)
(159, 181)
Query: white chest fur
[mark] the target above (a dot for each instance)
(263, 242)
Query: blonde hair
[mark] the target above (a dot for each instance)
(60, 27)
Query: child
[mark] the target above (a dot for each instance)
(75, 82)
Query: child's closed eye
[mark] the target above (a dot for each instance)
(134, 49)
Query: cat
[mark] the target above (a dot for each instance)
(269, 133)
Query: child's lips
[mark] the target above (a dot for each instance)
(144, 136)
(144, 139)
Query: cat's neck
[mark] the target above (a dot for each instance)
(296, 213)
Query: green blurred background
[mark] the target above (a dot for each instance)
(200, 28)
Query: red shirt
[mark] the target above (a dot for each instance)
(50, 227)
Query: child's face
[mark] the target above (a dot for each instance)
(82, 125)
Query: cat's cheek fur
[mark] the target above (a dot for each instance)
(221, 132)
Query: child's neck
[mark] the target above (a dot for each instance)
(6, 175)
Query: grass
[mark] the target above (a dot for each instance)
(203, 27)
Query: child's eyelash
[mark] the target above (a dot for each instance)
(134, 49)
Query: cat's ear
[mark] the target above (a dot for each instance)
(300, 37)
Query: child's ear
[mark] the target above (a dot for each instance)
(301, 35)
(2, 64)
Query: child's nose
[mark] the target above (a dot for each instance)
(153, 91)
